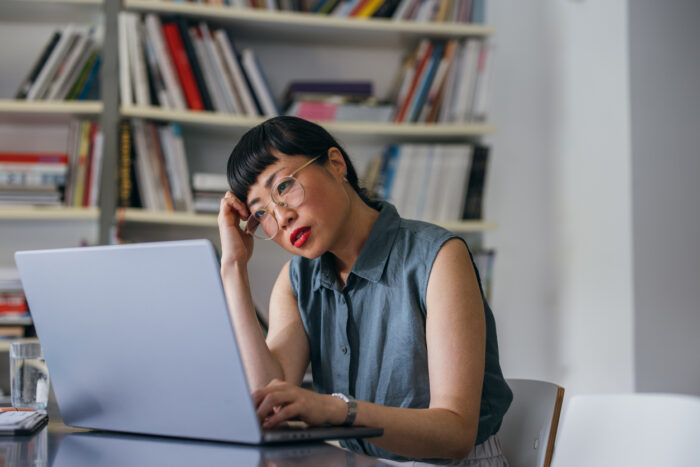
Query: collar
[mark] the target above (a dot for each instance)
(375, 252)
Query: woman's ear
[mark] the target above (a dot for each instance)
(336, 163)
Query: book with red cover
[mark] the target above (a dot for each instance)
(182, 66)
(33, 158)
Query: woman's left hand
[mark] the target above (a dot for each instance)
(280, 401)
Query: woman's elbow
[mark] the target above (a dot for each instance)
(461, 443)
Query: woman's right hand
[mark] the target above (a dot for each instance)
(236, 245)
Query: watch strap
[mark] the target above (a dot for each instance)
(352, 407)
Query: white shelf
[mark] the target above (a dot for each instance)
(47, 212)
(68, 2)
(364, 130)
(16, 106)
(142, 216)
(303, 26)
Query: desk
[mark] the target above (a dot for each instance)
(57, 445)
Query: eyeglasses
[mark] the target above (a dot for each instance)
(286, 192)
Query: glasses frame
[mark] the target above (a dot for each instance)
(275, 184)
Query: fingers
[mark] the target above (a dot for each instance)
(229, 201)
(286, 412)
(272, 403)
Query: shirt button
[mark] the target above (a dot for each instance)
(344, 349)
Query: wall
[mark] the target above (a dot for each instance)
(665, 102)
(560, 189)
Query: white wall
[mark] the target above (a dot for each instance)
(665, 103)
(560, 189)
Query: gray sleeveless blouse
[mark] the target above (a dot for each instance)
(367, 339)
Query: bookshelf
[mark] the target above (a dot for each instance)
(48, 213)
(364, 130)
(311, 27)
(142, 216)
(76, 108)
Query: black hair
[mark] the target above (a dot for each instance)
(288, 135)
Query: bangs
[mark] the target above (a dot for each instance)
(287, 135)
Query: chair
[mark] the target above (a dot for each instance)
(629, 430)
(530, 424)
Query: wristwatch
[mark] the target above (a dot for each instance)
(352, 407)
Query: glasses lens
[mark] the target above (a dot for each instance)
(261, 224)
(288, 192)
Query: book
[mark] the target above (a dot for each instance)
(154, 31)
(208, 73)
(473, 205)
(259, 83)
(125, 92)
(82, 47)
(26, 85)
(424, 83)
(127, 195)
(135, 41)
(238, 80)
(182, 66)
(195, 65)
(423, 53)
(57, 55)
(221, 75)
(437, 84)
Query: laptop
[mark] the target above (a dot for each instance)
(138, 339)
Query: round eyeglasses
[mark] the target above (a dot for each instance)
(286, 192)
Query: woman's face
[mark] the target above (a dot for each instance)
(311, 228)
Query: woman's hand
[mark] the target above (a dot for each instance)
(236, 245)
(280, 401)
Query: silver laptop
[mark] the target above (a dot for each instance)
(138, 339)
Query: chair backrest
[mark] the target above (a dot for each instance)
(530, 425)
(629, 429)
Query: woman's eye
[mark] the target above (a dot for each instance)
(284, 186)
(259, 214)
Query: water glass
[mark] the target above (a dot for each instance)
(29, 377)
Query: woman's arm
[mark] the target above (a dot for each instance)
(456, 337)
(287, 347)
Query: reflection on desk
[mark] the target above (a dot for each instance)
(59, 446)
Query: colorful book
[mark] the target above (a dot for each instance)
(182, 66)
(38, 65)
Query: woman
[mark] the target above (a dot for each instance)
(389, 312)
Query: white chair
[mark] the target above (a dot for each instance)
(530, 424)
(629, 430)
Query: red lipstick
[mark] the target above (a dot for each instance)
(300, 236)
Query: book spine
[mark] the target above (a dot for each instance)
(92, 78)
(125, 184)
(426, 80)
(196, 66)
(475, 188)
(217, 98)
(219, 73)
(135, 41)
(26, 85)
(96, 170)
(257, 78)
(49, 69)
(425, 50)
(182, 66)
(232, 61)
(172, 86)
(125, 92)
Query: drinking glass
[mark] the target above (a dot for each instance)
(29, 377)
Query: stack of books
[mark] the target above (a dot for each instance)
(431, 182)
(182, 65)
(70, 178)
(444, 82)
(208, 188)
(153, 172)
(66, 69)
(463, 11)
(342, 101)
(32, 178)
